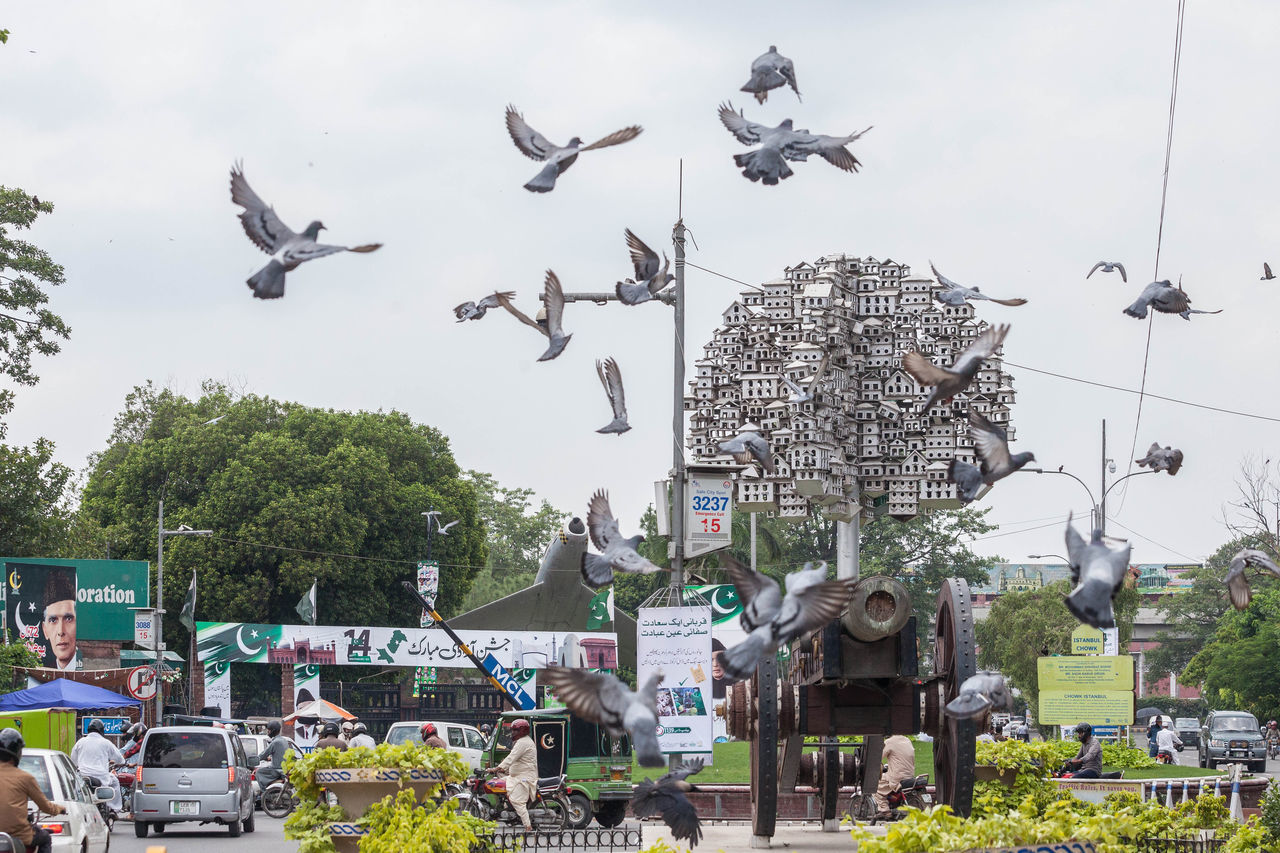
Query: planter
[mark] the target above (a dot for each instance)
(991, 773)
(357, 788)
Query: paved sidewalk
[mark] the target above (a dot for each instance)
(735, 837)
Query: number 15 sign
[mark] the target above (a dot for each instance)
(708, 513)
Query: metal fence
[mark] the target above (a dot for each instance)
(1179, 845)
(619, 838)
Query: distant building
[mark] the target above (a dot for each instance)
(301, 652)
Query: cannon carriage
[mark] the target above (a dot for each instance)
(859, 676)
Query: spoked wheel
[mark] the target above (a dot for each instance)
(762, 705)
(953, 660)
(551, 814)
(862, 807)
(277, 800)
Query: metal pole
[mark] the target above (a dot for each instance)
(677, 423)
(160, 615)
(753, 541)
(1102, 505)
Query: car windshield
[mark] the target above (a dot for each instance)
(188, 750)
(1242, 723)
(35, 765)
(1188, 723)
(403, 734)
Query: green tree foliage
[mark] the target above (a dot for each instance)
(285, 475)
(33, 501)
(1196, 612)
(1239, 666)
(27, 327)
(13, 655)
(518, 536)
(1022, 624)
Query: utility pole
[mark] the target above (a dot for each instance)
(677, 423)
(1102, 505)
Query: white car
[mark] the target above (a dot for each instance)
(81, 828)
(461, 738)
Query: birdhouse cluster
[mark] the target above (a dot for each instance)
(812, 361)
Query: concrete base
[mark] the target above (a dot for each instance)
(760, 842)
(832, 825)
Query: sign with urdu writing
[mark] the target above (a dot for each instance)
(677, 641)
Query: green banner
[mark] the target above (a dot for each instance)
(106, 590)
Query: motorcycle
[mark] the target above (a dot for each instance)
(486, 799)
(104, 806)
(1164, 756)
(279, 798)
(9, 844)
(910, 794)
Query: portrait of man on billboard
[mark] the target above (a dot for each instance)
(58, 623)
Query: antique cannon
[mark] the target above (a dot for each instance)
(859, 676)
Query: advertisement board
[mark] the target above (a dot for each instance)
(708, 513)
(217, 686)
(106, 590)
(677, 642)
(327, 645)
(40, 610)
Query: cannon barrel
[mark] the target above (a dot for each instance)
(878, 607)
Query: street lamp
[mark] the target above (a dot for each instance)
(181, 530)
(1042, 556)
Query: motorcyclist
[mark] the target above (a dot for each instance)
(1168, 743)
(134, 743)
(900, 764)
(329, 738)
(1088, 761)
(1272, 736)
(16, 787)
(431, 738)
(271, 767)
(1153, 729)
(93, 756)
(347, 731)
(521, 767)
(360, 737)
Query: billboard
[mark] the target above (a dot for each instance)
(40, 608)
(105, 592)
(677, 641)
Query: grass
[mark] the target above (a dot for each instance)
(731, 766)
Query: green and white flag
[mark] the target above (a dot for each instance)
(188, 615)
(307, 605)
(601, 609)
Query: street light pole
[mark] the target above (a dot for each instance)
(677, 423)
(182, 530)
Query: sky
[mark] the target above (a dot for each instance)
(1014, 144)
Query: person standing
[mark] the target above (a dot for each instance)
(521, 767)
(16, 787)
(93, 756)
(900, 756)
(1153, 729)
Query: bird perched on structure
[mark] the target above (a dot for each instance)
(476, 310)
(611, 379)
(1109, 266)
(553, 304)
(616, 552)
(666, 799)
(1098, 570)
(778, 144)
(948, 382)
(771, 70)
(957, 294)
(535, 146)
(979, 694)
(1266, 272)
(272, 236)
(1236, 580)
(749, 448)
(1161, 459)
(650, 279)
(599, 697)
(992, 445)
(1165, 298)
(772, 619)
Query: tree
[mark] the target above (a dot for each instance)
(1022, 624)
(1239, 667)
(33, 501)
(1195, 613)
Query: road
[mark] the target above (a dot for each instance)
(268, 837)
(1189, 758)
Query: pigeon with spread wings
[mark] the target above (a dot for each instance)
(1267, 275)
(980, 693)
(599, 697)
(1165, 298)
(804, 395)
(475, 310)
(558, 158)
(666, 799)
(287, 248)
(1098, 568)
(553, 306)
(1236, 580)
(771, 70)
(947, 382)
(1161, 459)
(779, 144)
(957, 294)
(650, 278)
(1109, 266)
(773, 619)
(749, 448)
(616, 552)
(611, 379)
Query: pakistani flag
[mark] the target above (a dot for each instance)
(188, 615)
(307, 606)
(601, 609)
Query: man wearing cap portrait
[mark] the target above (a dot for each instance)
(59, 620)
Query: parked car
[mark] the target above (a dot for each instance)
(1232, 736)
(461, 738)
(81, 828)
(1188, 731)
(253, 747)
(193, 773)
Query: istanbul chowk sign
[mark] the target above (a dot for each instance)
(246, 642)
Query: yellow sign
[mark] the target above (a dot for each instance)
(1099, 707)
(1099, 672)
(1087, 641)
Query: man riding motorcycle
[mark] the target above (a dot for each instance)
(1272, 737)
(521, 767)
(271, 767)
(1167, 744)
(1088, 761)
(431, 738)
(16, 787)
(133, 745)
(93, 756)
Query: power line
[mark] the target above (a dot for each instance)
(1154, 542)
(690, 263)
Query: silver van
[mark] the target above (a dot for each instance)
(192, 773)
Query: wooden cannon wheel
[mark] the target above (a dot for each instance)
(953, 661)
(763, 689)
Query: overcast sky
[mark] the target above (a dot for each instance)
(1015, 144)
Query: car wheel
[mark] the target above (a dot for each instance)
(612, 813)
(159, 828)
(1258, 766)
(233, 828)
(248, 823)
(579, 810)
(140, 828)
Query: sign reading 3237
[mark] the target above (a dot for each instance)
(708, 512)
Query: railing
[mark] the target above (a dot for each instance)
(619, 838)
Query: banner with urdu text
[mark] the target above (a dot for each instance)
(677, 641)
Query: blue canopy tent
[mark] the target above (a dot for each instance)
(61, 693)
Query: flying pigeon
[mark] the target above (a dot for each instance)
(476, 310)
(992, 444)
(968, 480)
(951, 381)
(1109, 266)
(275, 238)
(980, 693)
(1098, 570)
(804, 395)
(536, 147)
(1236, 580)
(957, 294)
(771, 71)
(772, 619)
(1165, 298)
(443, 530)
(615, 551)
(553, 304)
(1266, 272)
(611, 379)
(649, 280)
(1161, 459)
(599, 697)
(748, 448)
(781, 143)
(666, 799)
